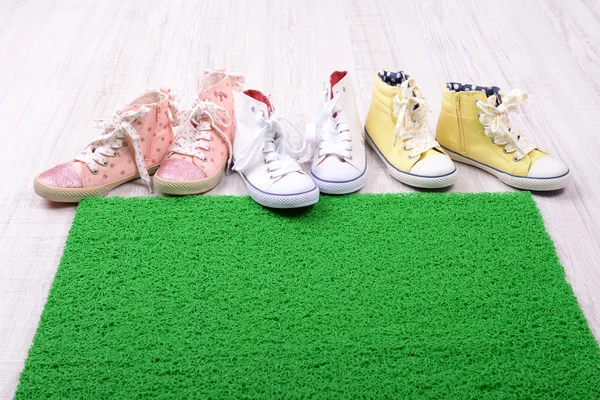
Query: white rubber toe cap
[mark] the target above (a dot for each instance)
(292, 183)
(436, 165)
(335, 170)
(547, 167)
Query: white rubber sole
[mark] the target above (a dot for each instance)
(419, 181)
(282, 201)
(74, 195)
(519, 182)
(331, 187)
(187, 187)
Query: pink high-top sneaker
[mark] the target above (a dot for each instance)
(202, 150)
(132, 145)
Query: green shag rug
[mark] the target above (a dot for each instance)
(420, 296)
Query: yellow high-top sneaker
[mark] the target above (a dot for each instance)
(396, 129)
(474, 128)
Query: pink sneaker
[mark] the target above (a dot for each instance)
(133, 143)
(202, 150)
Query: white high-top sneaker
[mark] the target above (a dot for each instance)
(339, 163)
(264, 156)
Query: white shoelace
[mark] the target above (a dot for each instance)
(273, 140)
(115, 129)
(196, 124)
(497, 125)
(332, 134)
(412, 126)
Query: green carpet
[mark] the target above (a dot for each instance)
(428, 296)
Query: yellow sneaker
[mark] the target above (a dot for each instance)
(397, 130)
(474, 128)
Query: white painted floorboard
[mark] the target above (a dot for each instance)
(65, 62)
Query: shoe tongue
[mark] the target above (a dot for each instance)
(495, 99)
(494, 95)
(334, 79)
(259, 96)
(392, 78)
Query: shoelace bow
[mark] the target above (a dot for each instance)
(496, 123)
(332, 134)
(197, 122)
(173, 106)
(411, 124)
(116, 128)
(274, 142)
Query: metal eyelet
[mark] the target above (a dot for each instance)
(95, 173)
(125, 144)
(271, 177)
(265, 161)
(404, 148)
(515, 159)
(505, 152)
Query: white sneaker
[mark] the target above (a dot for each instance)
(339, 163)
(264, 157)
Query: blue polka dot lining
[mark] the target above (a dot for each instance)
(468, 87)
(392, 78)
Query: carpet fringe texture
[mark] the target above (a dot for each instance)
(414, 296)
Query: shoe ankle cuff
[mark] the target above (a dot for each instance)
(384, 91)
(467, 101)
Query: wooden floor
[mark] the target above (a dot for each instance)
(65, 62)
